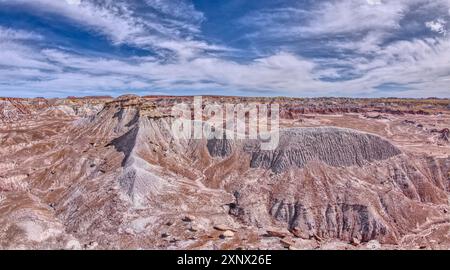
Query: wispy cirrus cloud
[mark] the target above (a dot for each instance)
(14, 51)
(123, 23)
(9, 34)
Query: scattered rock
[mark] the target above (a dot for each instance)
(409, 122)
(91, 245)
(355, 241)
(299, 233)
(194, 228)
(227, 234)
(188, 218)
(373, 245)
(174, 240)
(318, 238)
(287, 243)
(276, 233)
(378, 116)
(73, 245)
(223, 228)
(169, 223)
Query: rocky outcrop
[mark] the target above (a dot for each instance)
(137, 179)
(220, 147)
(445, 134)
(343, 221)
(12, 109)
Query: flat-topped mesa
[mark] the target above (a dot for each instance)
(334, 146)
(90, 98)
(125, 101)
(82, 101)
(139, 106)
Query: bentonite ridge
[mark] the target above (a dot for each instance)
(333, 146)
(297, 146)
(97, 173)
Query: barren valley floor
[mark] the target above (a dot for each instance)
(104, 173)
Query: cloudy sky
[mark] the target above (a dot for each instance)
(359, 48)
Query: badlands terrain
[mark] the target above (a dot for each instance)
(107, 173)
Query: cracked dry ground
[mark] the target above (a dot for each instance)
(100, 173)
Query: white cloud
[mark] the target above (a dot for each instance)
(374, 2)
(13, 54)
(177, 8)
(438, 26)
(73, 2)
(8, 34)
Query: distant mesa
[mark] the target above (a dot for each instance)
(90, 97)
(126, 97)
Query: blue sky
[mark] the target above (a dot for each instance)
(356, 48)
